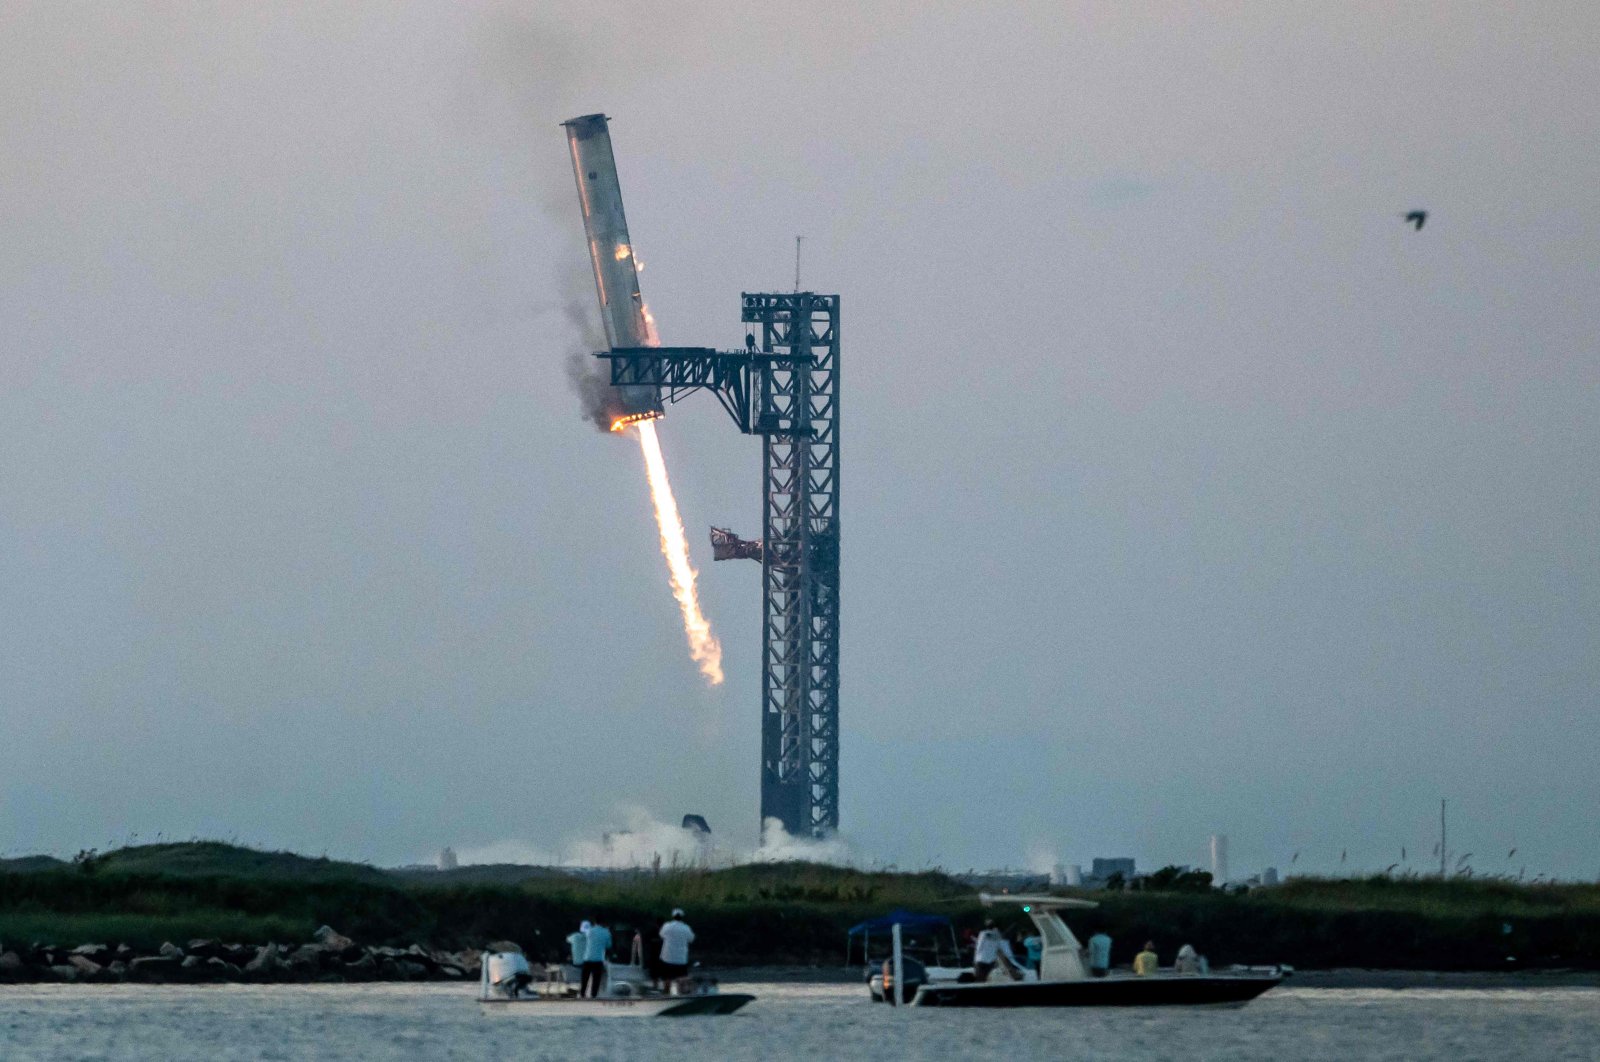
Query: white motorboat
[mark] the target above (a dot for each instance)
(508, 986)
(1064, 981)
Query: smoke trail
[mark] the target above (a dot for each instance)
(703, 645)
(592, 384)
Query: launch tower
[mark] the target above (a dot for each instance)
(798, 421)
(784, 387)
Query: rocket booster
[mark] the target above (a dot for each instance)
(616, 279)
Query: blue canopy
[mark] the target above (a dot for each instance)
(906, 919)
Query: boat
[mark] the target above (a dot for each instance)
(508, 986)
(1064, 981)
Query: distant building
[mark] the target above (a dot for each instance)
(1219, 859)
(447, 859)
(1070, 874)
(1103, 869)
(1269, 876)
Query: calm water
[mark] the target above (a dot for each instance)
(788, 1021)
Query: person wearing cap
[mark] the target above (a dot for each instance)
(676, 936)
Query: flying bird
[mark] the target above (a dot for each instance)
(1402, 853)
(1418, 218)
(1342, 854)
(1293, 859)
(1511, 853)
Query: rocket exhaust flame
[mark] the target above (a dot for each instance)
(628, 421)
(703, 645)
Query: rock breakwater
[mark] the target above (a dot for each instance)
(329, 957)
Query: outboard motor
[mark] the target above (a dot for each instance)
(916, 975)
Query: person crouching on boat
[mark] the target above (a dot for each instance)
(1188, 960)
(597, 941)
(676, 936)
(1147, 962)
(986, 952)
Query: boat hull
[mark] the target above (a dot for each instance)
(1158, 991)
(648, 1007)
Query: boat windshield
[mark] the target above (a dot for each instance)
(1050, 928)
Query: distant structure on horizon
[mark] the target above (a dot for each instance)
(1070, 874)
(1103, 869)
(1219, 859)
(447, 859)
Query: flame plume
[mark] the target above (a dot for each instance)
(703, 645)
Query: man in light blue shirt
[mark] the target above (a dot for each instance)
(598, 941)
(1034, 946)
(1099, 955)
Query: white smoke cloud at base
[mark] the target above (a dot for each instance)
(1042, 858)
(644, 841)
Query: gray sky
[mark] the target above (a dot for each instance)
(1186, 489)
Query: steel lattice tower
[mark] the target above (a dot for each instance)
(786, 389)
(798, 419)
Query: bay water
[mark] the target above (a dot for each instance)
(787, 1021)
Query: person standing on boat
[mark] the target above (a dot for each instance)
(597, 941)
(1034, 946)
(578, 943)
(1099, 955)
(986, 951)
(1147, 962)
(676, 936)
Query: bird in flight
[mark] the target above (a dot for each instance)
(1418, 218)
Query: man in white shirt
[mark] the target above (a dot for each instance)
(985, 951)
(676, 936)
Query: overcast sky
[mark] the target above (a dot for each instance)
(1186, 489)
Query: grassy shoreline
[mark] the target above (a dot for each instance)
(776, 914)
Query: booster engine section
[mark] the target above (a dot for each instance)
(616, 278)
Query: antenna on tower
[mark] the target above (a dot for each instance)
(797, 240)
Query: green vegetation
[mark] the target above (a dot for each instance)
(772, 913)
(1377, 922)
(195, 859)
